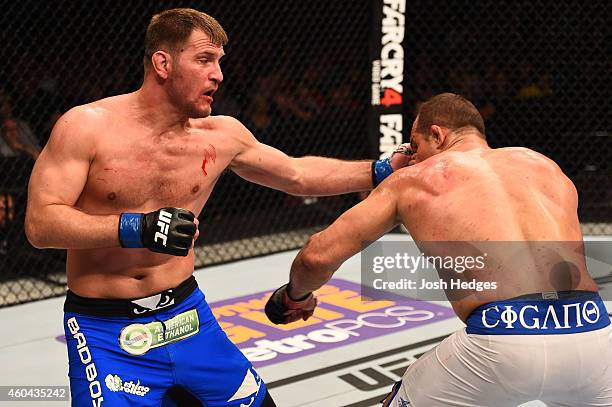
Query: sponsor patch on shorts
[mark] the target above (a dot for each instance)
(137, 339)
(116, 384)
(540, 317)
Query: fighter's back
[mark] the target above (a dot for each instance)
(498, 231)
(515, 197)
(506, 194)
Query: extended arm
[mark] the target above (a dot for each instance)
(361, 225)
(326, 251)
(311, 176)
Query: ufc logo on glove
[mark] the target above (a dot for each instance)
(163, 223)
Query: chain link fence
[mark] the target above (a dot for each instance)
(540, 73)
(296, 73)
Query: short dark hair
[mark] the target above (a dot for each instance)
(451, 111)
(171, 28)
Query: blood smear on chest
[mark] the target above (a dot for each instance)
(210, 155)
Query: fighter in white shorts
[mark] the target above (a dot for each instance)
(543, 333)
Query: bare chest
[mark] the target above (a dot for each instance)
(144, 172)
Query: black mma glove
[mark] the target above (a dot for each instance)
(282, 309)
(166, 230)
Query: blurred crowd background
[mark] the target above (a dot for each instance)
(297, 75)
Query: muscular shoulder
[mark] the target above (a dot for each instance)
(415, 179)
(434, 176)
(523, 156)
(215, 122)
(92, 117)
(229, 126)
(76, 130)
(524, 153)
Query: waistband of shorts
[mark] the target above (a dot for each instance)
(131, 308)
(550, 313)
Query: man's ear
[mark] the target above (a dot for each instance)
(162, 63)
(438, 134)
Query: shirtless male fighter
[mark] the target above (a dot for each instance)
(135, 322)
(544, 333)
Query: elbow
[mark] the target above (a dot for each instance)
(297, 184)
(316, 260)
(297, 188)
(34, 234)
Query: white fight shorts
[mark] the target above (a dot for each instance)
(558, 351)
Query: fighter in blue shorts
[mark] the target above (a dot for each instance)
(136, 323)
(132, 352)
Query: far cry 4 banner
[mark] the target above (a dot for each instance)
(387, 122)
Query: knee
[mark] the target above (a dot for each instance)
(386, 402)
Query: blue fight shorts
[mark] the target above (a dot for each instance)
(554, 313)
(130, 352)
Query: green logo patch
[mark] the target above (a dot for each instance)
(137, 339)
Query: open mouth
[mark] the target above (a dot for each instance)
(210, 93)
